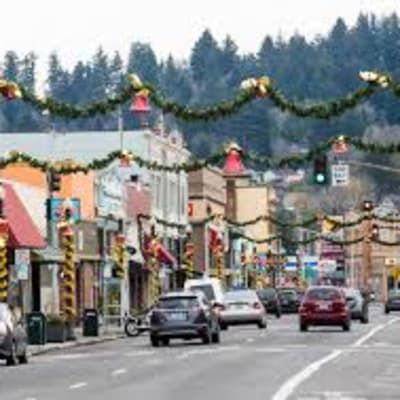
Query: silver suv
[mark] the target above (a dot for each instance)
(13, 338)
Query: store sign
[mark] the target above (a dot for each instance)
(340, 174)
(22, 262)
(109, 193)
(55, 209)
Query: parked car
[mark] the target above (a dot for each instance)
(270, 299)
(358, 304)
(324, 305)
(212, 288)
(393, 302)
(183, 315)
(289, 299)
(13, 337)
(242, 307)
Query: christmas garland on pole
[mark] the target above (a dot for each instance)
(250, 89)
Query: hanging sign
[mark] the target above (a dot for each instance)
(340, 174)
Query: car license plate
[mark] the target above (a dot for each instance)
(177, 316)
(324, 307)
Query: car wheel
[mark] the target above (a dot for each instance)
(278, 315)
(206, 339)
(12, 358)
(215, 337)
(364, 319)
(154, 341)
(262, 324)
(303, 327)
(23, 359)
(165, 341)
(223, 327)
(387, 311)
(346, 326)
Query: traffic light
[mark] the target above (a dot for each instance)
(321, 170)
(55, 182)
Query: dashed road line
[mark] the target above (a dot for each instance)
(120, 371)
(78, 385)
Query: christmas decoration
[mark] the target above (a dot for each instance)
(250, 89)
(68, 284)
(10, 90)
(233, 163)
(3, 269)
(119, 256)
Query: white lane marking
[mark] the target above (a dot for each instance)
(373, 331)
(30, 398)
(270, 350)
(78, 385)
(119, 372)
(290, 385)
(293, 382)
(250, 340)
(214, 350)
(155, 361)
(140, 353)
(189, 353)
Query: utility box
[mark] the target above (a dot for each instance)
(90, 322)
(36, 328)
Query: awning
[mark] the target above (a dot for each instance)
(23, 233)
(164, 256)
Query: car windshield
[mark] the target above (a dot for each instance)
(323, 294)
(288, 294)
(267, 294)
(394, 293)
(241, 295)
(351, 293)
(207, 289)
(171, 303)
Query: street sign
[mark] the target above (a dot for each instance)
(340, 174)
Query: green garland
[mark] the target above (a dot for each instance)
(66, 167)
(252, 89)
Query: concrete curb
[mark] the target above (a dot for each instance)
(68, 345)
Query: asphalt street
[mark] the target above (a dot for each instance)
(278, 363)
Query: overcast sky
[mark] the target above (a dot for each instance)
(75, 28)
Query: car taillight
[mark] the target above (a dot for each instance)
(338, 306)
(307, 307)
(218, 308)
(257, 306)
(199, 315)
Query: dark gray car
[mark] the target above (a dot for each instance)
(183, 315)
(13, 338)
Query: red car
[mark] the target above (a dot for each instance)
(324, 305)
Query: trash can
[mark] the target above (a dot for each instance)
(36, 328)
(90, 322)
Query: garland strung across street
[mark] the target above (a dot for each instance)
(318, 218)
(66, 167)
(250, 89)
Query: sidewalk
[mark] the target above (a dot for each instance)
(105, 335)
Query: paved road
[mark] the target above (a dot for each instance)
(279, 363)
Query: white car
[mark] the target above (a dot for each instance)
(242, 307)
(212, 288)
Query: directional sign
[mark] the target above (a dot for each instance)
(340, 174)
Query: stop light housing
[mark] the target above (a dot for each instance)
(55, 182)
(320, 173)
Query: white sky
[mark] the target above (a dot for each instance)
(75, 28)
